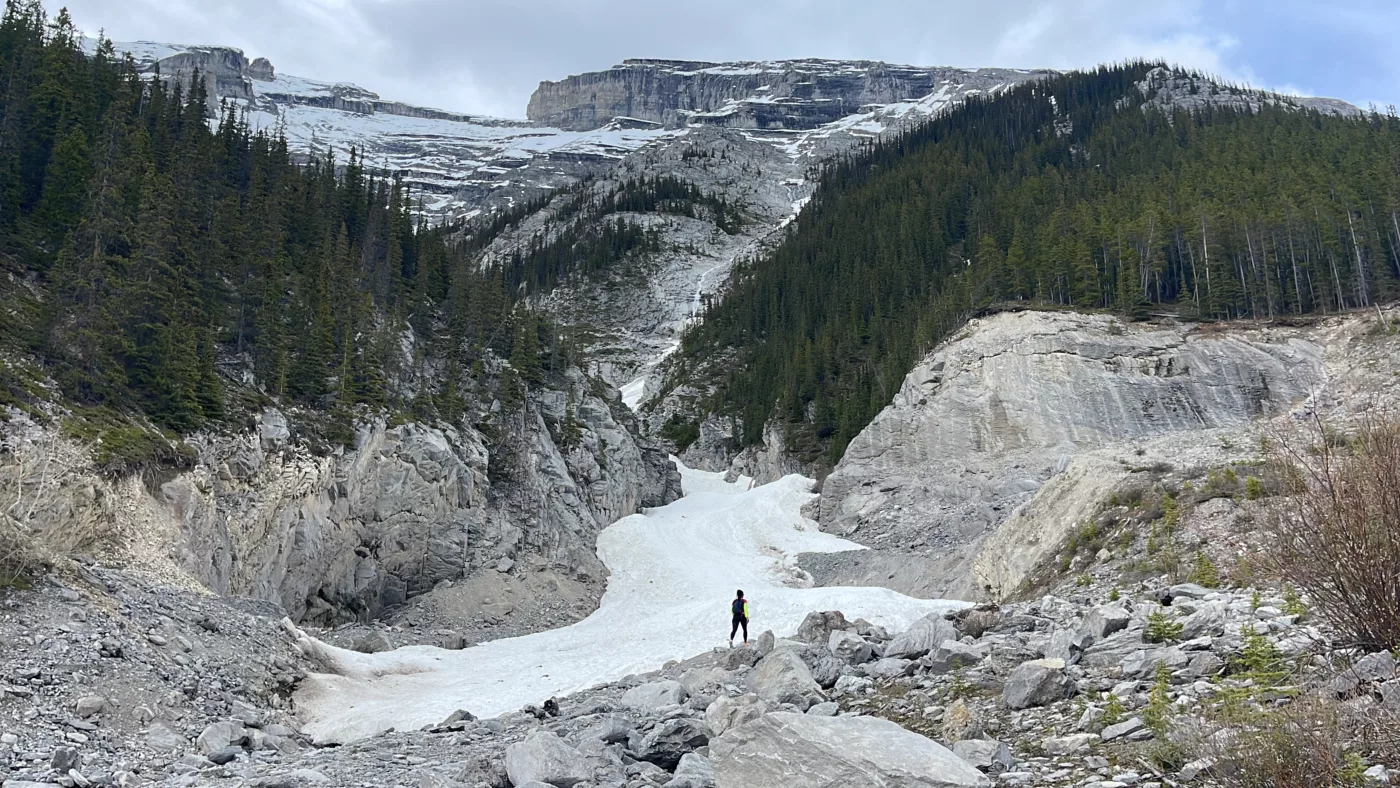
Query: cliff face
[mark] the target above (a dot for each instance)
(356, 533)
(791, 95)
(1008, 436)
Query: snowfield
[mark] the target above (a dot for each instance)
(673, 572)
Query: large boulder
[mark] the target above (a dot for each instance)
(782, 677)
(655, 695)
(1371, 669)
(668, 742)
(739, 658)
(817, 627)
(221, 736)
(784, 750)
(985, 755)
(849, 647)
(546, 758)
(921, 638)
(891, 668)
(1142, 664)
(694, 771)
(726, 712)
(1036, 683)
(951, 655)
(1210, 618)
(1105, 620)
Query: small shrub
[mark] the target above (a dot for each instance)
(1253, 488)
(1301, 744)
(1114, 712)
(1113, 595)
(1340, 540)
(1204, 572)
(1162, 628)
(1158, 712)
(1293, 604)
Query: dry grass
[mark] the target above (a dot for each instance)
(1339, 541)
(1310, 742)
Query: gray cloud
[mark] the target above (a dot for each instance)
(487, 55)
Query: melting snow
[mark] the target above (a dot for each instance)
(672, 571)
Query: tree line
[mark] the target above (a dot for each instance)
(167, 263)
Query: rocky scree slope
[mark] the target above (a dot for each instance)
(1071, 689)
(1003, 441)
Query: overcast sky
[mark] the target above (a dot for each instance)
(486, 56)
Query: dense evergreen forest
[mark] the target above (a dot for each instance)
(165, 263)
(1066, 192)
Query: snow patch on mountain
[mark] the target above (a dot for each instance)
(672, 571)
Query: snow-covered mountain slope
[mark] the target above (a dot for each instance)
(456, 163)
(673, 571)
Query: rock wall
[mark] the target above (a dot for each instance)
(355, 533)
(1009, 435)
(791, 94)
(225, 71)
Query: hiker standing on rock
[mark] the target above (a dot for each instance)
(740, 608)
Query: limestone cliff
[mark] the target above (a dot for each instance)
(1009, 435)
(357, 532)
(789, 94)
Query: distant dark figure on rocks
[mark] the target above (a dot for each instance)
(740, 608)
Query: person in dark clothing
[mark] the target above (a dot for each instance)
(740, 610)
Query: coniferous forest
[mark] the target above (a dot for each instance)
(1074, 192)
(166, 263)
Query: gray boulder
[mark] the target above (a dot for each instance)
(817, 627)
(220, 736)
(782, 677)
(1112, 649)
(765, 643)
(849, 647)
(827, 709)
(739, 658)
(1370, 669)
(669, 741)
(921, 638)
(1036, 683)
(727, 712)
(784, 750)
(544, 757)
(1210, 618)
(373, 643)
(1188, 590)
(654, 695)
(1067, 645)
(985, 755)
(1142, 664)
(826, 669)
(1105, 620)
(160, 737)
(1125, 728)
(693, 771)
(891, 668)
(950, 655)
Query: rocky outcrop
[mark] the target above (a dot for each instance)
(224, 71)
(789, 94)
(1007, 438)
(356, 532)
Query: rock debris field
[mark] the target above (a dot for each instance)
(106, 681)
